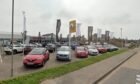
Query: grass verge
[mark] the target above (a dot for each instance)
(35, 78)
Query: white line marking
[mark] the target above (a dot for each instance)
(137, 83)
(138, 79)
(138, 76)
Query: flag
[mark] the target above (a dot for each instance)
(111, 35)
(72, 25)
(99, 32)
(78, 32)
(90, 30)
(24, 26)
(58, 25)
(107, 35)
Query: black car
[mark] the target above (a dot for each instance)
(51, 47)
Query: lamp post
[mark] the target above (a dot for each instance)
(121, 39)
(12, 37)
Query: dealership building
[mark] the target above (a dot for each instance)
(5, 38)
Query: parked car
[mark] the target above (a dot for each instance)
(81, 52)
(27, 49)
(101, 49)
(92, 50)
(110, 48)
(73, 46)
(16, 49)
(63, 53)
(38, 56)
(51, 47)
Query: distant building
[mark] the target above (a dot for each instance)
(46, 38)
(5, 37)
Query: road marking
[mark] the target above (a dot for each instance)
(1, 59)
(137, 79)
(138, 76)
(137, 83)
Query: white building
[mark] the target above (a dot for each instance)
(5, 37)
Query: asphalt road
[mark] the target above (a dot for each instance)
(127, 73)
(19, 69)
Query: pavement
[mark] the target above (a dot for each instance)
(91, 73)
(127, 73)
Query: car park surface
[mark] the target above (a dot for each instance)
(19, 68)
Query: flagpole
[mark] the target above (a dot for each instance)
(24, 26)
(12, 37)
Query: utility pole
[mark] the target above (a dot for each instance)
(12, 37)
(121, 39)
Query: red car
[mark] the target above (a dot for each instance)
(101, 49)
(81, 52)
(38, 56)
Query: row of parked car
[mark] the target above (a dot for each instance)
(18, 48)
(38, 56)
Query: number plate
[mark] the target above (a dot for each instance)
(30, 63)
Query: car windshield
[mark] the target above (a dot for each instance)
(63, 49)
(37, 51)
(91, 47)
(80, 48)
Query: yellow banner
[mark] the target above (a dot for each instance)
(72, 25)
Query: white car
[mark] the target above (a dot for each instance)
(16, 49)
(92, 50)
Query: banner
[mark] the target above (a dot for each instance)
(107, 36)
(99, 33)
(58, 25)
(78, 32)
(72, 25)
(90, 30)
(24, 27)
(111, 35)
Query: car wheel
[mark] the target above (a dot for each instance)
(7, 53)
(25, 66)
(15, 51)
(48, 58)
(43, 63)
(69, 59)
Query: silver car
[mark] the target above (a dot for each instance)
(63, 53)
(92, 50)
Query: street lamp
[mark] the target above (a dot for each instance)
(121, 39)
(12, 37)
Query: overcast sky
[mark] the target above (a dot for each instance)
(104, 14)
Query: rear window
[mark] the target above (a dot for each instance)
(37, 51)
